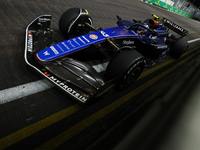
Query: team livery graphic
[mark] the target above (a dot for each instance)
(86, 62)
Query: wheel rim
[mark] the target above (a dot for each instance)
(133, 75)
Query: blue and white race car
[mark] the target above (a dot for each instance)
(86, 62)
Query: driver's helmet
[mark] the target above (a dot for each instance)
(153, 22)
(141, 29)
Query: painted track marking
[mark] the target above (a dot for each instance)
(191, 41)
(24, 90)
(73, 131)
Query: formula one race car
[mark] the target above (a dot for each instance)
(86, 62)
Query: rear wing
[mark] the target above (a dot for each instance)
(176, 28)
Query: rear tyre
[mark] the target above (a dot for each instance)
(72, 22)
(178, 48)
(126, 67)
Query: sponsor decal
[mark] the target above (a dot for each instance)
(46, 53)
(76, 42)
(85, 38)
(129, 42)
(173, 25)
(44, 19)
(54, 50)
(161, 47)
(60, 47)
(93, 36)
(65, 45)
(81, 40)
(30, 42)
(104, 34)
(70, 42)
(66, 87)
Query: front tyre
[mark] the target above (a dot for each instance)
(72, 22)
(178, 48)
(126, 67)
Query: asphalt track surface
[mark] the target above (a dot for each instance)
(50, 119)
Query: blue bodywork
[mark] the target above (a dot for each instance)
(75, 74)
(128, 36)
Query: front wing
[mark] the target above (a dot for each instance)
(34, 43)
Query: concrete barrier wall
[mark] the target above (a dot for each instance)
(169, 7)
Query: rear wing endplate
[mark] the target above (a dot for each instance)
(176, 28)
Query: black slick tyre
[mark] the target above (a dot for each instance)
(178, 48)
(72, 22)
(126, 67)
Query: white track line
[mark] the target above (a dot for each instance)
(191, 41)
(24, 90)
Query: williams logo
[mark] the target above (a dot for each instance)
(175, 26)
(46, 53)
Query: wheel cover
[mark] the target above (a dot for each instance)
(133, 75)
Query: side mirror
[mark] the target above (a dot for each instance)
(119, 18)
(134, 20)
